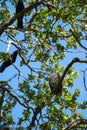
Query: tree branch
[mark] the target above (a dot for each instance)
(24, 11)
(76, 123)
(10, 93)
(77, 39)
(69, 65)
(36, 112)
(1, 101)
(15, 97)
(84, 80)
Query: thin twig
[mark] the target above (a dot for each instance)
(84, 80)
(5, 83)
(15, 97)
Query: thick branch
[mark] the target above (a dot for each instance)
(69, 65)
(24, 11)
(36, 112)
(76, 124)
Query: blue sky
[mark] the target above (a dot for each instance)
(10, 71)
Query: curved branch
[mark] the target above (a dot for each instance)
(77, 39)
(76, 124)
(69, 65)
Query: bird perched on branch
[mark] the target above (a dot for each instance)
(8, 62)
(53, 82)
(19, 8)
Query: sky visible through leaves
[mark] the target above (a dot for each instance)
(10, 71)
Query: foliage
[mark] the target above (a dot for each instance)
(52, 30)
